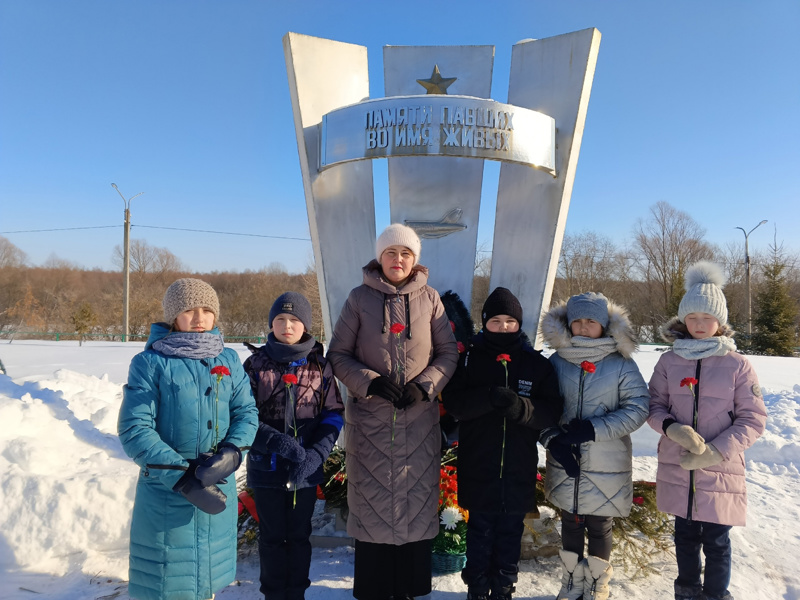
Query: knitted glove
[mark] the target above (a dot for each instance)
(577, 432)
(209, 499)
(305, 468)
(286, 446)
(219, 465)
(412, 392)
(385, 388)
(708, 458)
(506, 401)
(686, 437)
(562, 454)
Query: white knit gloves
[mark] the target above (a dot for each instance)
(687, 438)
(709, 458)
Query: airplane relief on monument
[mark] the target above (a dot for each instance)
(435, 133)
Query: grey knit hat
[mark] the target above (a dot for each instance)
(292, 303)
(398, 234)
(186, 294)
(588, 306)
(704, 281)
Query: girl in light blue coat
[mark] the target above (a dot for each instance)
(187, 414)
(589, 458)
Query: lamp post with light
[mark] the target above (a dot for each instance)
(126, 261)
(747, 274)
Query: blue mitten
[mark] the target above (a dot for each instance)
(305, 468)
(287, 446)
(219, 465)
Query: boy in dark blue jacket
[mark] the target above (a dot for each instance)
(299, 419)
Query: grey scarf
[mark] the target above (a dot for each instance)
(692, 349)
(187, 344)
(584, 348)
(289, 353)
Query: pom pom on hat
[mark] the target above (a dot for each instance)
(703, 283)
(186, 294)
(292, 303)
(398, 234)
(588, 306)
(501, 302)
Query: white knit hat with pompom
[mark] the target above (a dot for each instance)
(704, 281)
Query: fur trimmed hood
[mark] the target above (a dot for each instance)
(556, 333)
(675, 329)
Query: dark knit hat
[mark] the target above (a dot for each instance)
(501, 302)
(292, 303)
(186, 294)
(588, 306)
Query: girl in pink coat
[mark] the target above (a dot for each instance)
(706, 401)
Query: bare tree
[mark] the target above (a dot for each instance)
(668, 242)
(589, 262)
(147, 259)
(10, 255)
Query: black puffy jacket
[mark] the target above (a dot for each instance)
(486, 437)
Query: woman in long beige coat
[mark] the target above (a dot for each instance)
(394, 350)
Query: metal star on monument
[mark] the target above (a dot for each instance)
(436, 84)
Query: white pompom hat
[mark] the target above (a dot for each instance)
(704, 281)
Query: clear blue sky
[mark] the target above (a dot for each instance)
(694, 103)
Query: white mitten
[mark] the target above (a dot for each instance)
(687, 438)
(709, 458)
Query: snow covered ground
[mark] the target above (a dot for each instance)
(66, 489)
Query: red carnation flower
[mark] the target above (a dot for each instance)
(397, 328)
(690, 381)
(220, 370)
(460, 347)
(503, 358)
(289, 379)
(638, 500)
(589, 367)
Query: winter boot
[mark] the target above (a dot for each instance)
(572, 578)
(597, 574)
(502, 593)
(474, 594)
(688, 592)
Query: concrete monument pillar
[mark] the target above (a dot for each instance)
(436, 126)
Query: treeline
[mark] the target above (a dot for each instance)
(645, 275)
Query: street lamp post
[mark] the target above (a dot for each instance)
(747, 274)
(126, 261)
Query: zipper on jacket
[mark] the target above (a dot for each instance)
(695, 408)
(579, 416)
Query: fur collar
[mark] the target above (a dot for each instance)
(675, 329)
(556, 333)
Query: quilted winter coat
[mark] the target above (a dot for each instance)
(730, 415)
(615, 399)
(168, 412)
(392, 463)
